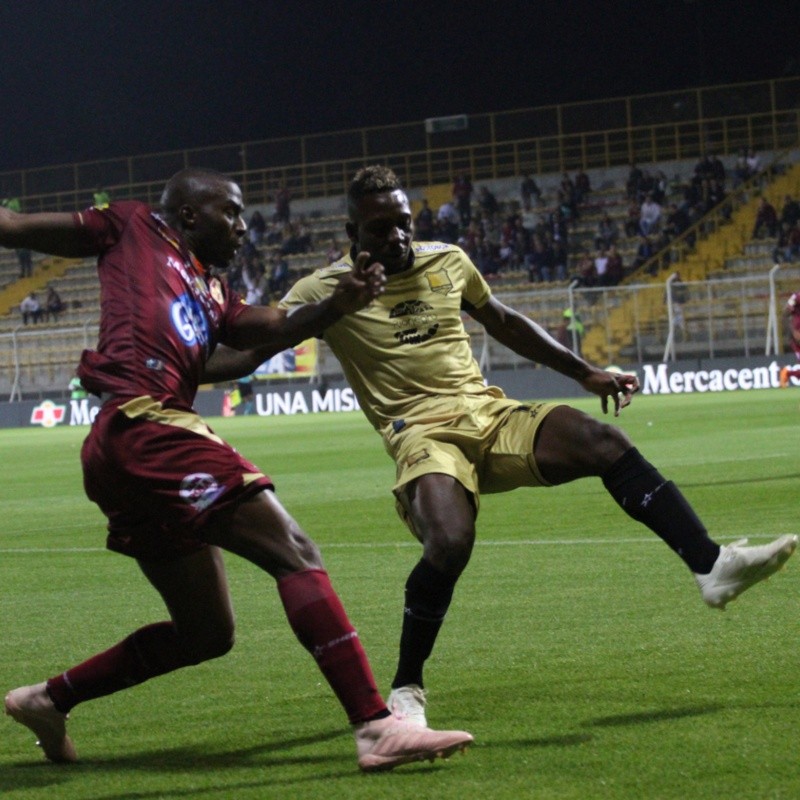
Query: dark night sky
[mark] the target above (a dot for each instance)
(88, 79)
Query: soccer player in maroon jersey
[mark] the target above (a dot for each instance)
(174, 493)
(792, 311)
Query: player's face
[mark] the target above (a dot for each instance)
(218, 225)
(383, 227)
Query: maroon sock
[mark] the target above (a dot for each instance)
(319, 621)
(146, 653)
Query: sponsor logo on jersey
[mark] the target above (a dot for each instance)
(189, 320)
(199, 490)
(415, 322)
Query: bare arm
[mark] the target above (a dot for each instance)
(531, 341)
(263, 331)
(227, 364)
(54, 233)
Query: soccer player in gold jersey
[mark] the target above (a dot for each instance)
(408, 358)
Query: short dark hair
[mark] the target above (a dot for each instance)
(193, 184)
(375, 179)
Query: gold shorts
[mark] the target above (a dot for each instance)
(485, 443)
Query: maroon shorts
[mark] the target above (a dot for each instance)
(157, 474)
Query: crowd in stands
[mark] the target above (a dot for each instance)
(544, 233)
(535, 233)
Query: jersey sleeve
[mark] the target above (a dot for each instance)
(103, 226)
(310, 289)
(476, 291)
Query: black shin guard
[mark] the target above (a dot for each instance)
(428, 596)
(644, 494)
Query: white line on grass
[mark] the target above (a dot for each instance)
(388, 545)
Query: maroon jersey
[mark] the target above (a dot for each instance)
(161, 313)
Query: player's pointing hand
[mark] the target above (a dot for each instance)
(361, 286)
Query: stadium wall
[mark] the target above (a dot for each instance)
(273, 398)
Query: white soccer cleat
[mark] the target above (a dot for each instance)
(32, 707)
(738, 567)
(409, 702)
(386, 743)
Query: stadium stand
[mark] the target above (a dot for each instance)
(728, 275)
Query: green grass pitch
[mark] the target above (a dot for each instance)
(577, 649)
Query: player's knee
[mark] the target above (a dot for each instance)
(448, 548)
(605, 442)
(196, 651)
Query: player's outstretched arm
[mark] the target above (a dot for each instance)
(271, 330)
(529, 340)
(54, 233)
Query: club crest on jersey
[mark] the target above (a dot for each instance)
(439, 281)
(215, 287)
(199, 490)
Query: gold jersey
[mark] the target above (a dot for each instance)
(409, 346)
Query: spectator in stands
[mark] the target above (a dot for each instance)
(633, 184)
(449, 222)
(334, 252)
(754, 165)
(423, 223)
(488, 203)
(31, 309)
(257, 227)
(586, 272)
(583, 187)
(530, 218)
(25, 260)
(462, 196)
(788, 248)
(568, 196)
(607, 232)
(283, 201)
(717, 195)
(278, 283)
(660, 187)
(529, 191)
(538, 260)
(601, 267)
(295, 240)
(632, 219)
(644, 252)
(557, 228)
(560, 260)
(677, 221)
(649, 216)
(741, 172)
(53, 305)
(255, 282)
(717, 170)
(790, 213)
(615, 270)
(766, 220)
